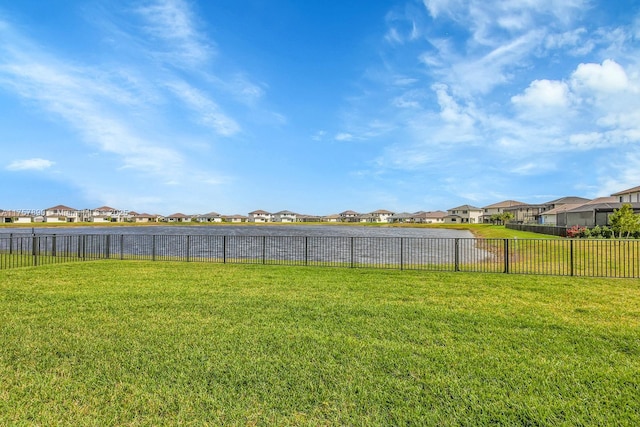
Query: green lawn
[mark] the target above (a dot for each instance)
(143, 343)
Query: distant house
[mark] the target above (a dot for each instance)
(331, 218)
(557, 216)
(526, 213)
(349, 216)
(380, 215)
(145, 217)
(15, 217)
(497, 209)
(260, 216)
(631, 195)
(573, 200)
(177, 217)
(208, 217)
(105, 214)
(284, 216)
(592, 214)
(234, 218)
(61, 213)
(465, 214)
(308, 218)
(421, 217)
(431, 217)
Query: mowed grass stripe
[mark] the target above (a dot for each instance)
(143, 343)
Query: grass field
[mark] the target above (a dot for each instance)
(142, 343)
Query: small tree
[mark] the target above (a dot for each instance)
(506, 217)
(624, 222)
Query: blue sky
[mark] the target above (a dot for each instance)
(316, 106)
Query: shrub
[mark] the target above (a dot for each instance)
(576, 232)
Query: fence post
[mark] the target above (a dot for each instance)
(224, 249)
(351, 251)
(264, 249)
(122, 246)
(153, 247)
(306, 250)
(506, 256)
(457, 254)
(107, 249)
(53, 245)
(10, 243)
(188, 246)
(402, 253)
(571, 257)
(35, 244)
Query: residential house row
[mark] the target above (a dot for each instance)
(565, 212)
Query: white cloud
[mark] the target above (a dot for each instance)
(30, 164)
(344, 136)
(608, 77)
(542, 94)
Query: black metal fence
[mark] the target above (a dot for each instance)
(551, 230)
(567, 257)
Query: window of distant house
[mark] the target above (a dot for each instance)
(464, 212)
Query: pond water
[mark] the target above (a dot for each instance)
(251, 230)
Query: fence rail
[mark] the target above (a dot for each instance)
(565, 257)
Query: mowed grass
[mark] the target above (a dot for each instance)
(143, 343)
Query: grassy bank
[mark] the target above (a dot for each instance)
(141, 343)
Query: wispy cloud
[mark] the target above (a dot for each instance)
(36, 164)
(207, 111)
(173, 22)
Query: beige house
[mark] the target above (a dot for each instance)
(260, 216)
(234, 218)
(380, 215)
(145, 217)
(331, 218)
(61, 213)
(209, 217)
(465, 214)
(15, 217)
(284, 216)
(349, 216)
(631, 195)
(497, 209)
(177, 217)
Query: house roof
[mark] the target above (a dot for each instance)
(609, 199)
(561, 209)
(567, 200)
(434, 214)
(382, 212)
(105, 208)
(349, 213)
(285, 213)
(332, 216)
(504, 204)
(627, 191)
(259, 212)
(465, 207)
(210, 215)
(145, 215)
(590, 207)
(177, 215)
(60, 208)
